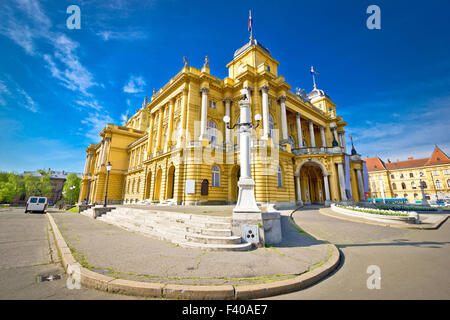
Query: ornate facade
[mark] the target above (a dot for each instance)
(177, 147)
(401, 179)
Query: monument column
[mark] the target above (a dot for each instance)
(204, 114)
(284, 130)
(265, 111)
(311, 133)
(170, 125)
(150, 136)
(299, 131)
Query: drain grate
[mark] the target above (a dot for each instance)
(49, 278)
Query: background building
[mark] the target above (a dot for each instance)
(177, 147)
(402, 179)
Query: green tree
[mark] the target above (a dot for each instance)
(11, 186)
(71, 188)
(38, 186)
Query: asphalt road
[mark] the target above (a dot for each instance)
(26, 252)
(413, 264)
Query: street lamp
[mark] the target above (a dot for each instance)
(108, 169)
(246, 202)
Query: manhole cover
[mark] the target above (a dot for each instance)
(49, 278)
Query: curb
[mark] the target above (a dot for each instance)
(411, 226)
(93, 280)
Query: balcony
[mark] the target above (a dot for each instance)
(318, 150)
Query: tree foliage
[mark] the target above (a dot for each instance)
(71, 188)
(11, 185)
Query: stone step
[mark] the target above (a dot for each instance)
(212, 239)
(217, 247)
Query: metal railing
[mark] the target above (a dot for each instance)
(318, 150)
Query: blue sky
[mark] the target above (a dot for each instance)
(59, 87)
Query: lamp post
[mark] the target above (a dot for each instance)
(246, 202)
(108, 169)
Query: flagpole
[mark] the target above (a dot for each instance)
(250, 25)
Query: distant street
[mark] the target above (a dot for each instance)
(414, 264)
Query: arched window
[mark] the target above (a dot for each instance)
(438, 184)
(394, 186)
(424, 184)
(448, 183)
(138, 185)
(403, 186)
(279, 177)
(415, 196)
(413, 185)
(215, 176)
(211, 131)
(132, 188)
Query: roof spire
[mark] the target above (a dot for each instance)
(250, 24)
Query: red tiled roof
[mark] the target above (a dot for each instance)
(406, 164)
(437, 157)
(374, 164)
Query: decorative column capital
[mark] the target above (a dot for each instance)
(311, 121)
(204, 90)
(298, 115)
(227, 100)
(249, 90)
(282, 99)
(264, 89)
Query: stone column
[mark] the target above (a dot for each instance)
(150, 136)
(227, 102)
(335, 135)
(299, 131)
(327, 189)
(322, 135)
(204, 114)
(362, 196)
(102, 157)
(265, 111)
(311, 133)
(170, 125)
(299, 189)
(86, 164)
(342, 181)
(284, 129)
(183, 116)
(158, 136)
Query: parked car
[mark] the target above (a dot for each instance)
(36, 204)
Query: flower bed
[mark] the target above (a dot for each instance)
(375, 211)
(404, 208)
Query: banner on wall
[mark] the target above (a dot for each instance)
(348, 185)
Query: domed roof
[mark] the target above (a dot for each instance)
(316, 93)
(251, 43)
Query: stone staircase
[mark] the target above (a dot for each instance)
(185, 230)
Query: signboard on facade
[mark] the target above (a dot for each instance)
(190, 186)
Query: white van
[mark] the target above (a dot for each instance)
(36, 204)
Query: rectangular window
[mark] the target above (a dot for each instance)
(42, 200)
(33, 200)
(212, 104)
(411, 175)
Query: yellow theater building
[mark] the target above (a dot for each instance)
(176, 148)
(401, 179)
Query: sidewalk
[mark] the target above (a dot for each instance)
(117, 253)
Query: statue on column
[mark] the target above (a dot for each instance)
(206, 62)
(185, 61)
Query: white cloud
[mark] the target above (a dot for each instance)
(95, 123)
(135, 84)
(91, 104)
(108, 35)
(18, 94)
